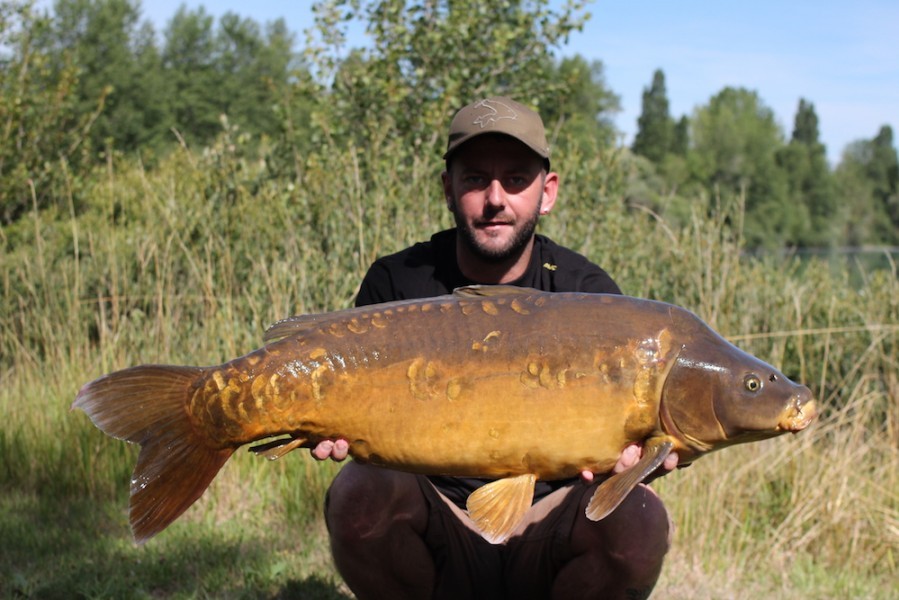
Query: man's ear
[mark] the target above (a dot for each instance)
(447, 180)
(550, 190)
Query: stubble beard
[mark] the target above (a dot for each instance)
(512, 249)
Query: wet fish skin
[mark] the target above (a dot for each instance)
(498, 382)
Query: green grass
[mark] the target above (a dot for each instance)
(81, 548)
(188, 263)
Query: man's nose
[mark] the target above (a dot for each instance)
(496, 195)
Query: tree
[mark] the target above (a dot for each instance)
(428, 58)
(867, 178)
(233, 68)
(249, 65)
(883, 172)
(581, 114)
(118, 66)
(735, 140)
(680, 142)
(44, 130)
(805, 125)
(188, 56)
(809, 181)
(655, 128)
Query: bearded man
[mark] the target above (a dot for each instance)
(399, 535)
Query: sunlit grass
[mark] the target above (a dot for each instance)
(190, 262)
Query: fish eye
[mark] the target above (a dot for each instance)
(752, 383)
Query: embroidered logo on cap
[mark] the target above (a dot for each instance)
(495, 111)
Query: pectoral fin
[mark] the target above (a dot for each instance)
(615, 489)
(498, 507)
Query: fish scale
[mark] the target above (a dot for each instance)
(499, 382)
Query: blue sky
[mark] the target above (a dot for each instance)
(841, 56)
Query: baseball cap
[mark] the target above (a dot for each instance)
(498, 115)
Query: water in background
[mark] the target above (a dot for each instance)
(859, 261)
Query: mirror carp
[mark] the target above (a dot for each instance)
(499, 382)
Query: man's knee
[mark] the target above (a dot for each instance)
(364, 502)
(635, 538)
(645, 533)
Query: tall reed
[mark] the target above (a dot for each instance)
(189, 262)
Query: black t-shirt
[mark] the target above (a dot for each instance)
(430, 269)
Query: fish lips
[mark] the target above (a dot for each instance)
(800, 414)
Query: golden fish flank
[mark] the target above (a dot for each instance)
(424, 379)
(544, 372)
(504, 383)
(453, 389)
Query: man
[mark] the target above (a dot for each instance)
(398, 535)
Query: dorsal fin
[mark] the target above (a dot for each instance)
(498, 507)
(301, 323)
(481, 291)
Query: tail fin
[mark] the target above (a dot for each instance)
(147, 405)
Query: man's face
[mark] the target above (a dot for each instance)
(496, 188)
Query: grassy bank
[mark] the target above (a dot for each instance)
(189, 262)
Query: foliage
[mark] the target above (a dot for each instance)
(428, 59)
(868, 175)
(733, 148)
(113, 260)
(655, 128)
(734, 141)
(43, 133)
(201, 72)
(111, 85)
(810, 185)
(117, 61)
(188, 55)
(188, 263)
(234, 69)
(580, 113)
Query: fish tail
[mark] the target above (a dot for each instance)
(147, 405)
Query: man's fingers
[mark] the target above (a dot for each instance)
(670, 461)
(629, 457)
(334, 449)
(341, 449)
(323, 450)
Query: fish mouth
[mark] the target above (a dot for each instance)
(798, 416)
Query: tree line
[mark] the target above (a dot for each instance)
(733, 146)
(86, 82)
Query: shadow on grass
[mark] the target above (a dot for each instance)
(313, 588)
(79, 548)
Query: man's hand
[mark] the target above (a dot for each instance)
(337, 450)
(629, 457)
(333, 449)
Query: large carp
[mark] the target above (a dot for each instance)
(499, 382)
